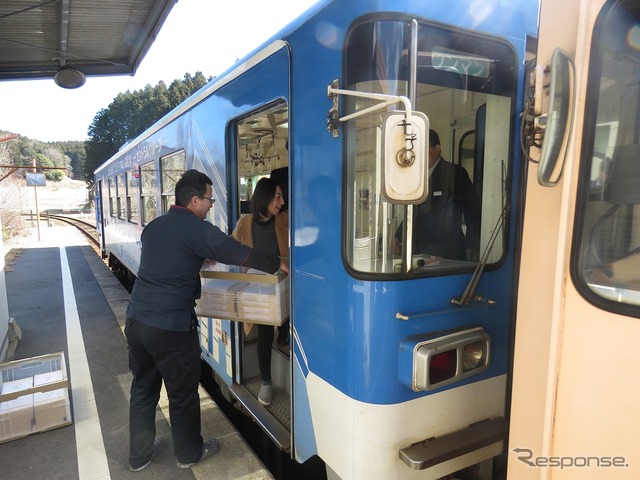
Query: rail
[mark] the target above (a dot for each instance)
(86, 228)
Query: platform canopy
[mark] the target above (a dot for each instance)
(68, 40)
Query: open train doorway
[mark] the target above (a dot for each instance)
(262, 380)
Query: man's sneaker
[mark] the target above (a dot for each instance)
(265, 396)
(209, 447)
(157, 446)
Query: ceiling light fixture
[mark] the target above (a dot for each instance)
(68, 77)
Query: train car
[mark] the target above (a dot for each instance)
(398, 364)
(574, 401)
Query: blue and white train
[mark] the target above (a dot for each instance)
(400, 359)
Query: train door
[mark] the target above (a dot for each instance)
(261, 141)
(100, 214)
(253, 107)
(574, 388)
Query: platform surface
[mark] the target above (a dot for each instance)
(64, 298)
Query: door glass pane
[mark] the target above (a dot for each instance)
(608, 213)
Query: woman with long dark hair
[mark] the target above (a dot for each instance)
(266, 229)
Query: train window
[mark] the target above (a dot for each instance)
(171, 169)
(112, 198)
(148, 192)
(606, 256)
(132, 195)
(120, 199)
(466, 85)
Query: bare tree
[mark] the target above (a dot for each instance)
(12, 195)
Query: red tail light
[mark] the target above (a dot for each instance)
(442, 358)
(443, 366)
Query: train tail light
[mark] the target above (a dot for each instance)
(449, 357)
(443, 366)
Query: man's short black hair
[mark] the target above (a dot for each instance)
(192, 184)
(434, 139)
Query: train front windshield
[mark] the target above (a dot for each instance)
(466, 86)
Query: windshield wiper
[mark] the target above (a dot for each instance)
(470, 292)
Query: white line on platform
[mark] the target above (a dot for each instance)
(92, 457)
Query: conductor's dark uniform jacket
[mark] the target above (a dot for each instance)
(174, 247)
(437, 222)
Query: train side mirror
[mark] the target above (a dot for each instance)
(405, 166)
(558, 123)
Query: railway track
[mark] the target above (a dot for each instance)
(88, 229)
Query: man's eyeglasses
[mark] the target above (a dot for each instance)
(212, 200)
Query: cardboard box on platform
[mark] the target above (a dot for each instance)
(34, 396)
(51, 408)
(16, 414)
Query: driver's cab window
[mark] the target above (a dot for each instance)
(466, 86)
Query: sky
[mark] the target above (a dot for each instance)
(198, 35)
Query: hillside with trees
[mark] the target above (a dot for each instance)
(130, 114)
(69, 156)
(125, 118)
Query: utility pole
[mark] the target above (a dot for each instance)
(35, 192)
